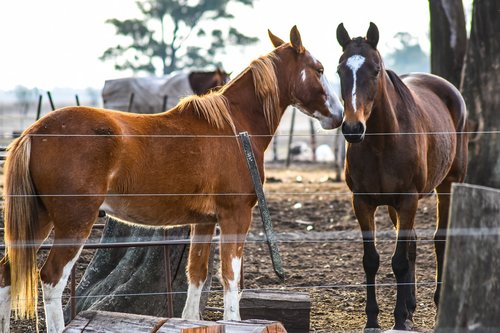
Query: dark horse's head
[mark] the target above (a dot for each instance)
(203, 82)
(359, 69)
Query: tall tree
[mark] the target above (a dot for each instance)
(481, 90)
(159, 41)
(448, 39)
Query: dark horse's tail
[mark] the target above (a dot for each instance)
(20, 212)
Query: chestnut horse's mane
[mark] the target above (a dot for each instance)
(214, 106)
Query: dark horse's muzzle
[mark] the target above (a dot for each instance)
(353, 132)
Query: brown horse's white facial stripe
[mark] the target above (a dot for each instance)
(303, 75)
(354, 63)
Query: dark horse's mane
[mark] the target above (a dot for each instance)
(401, 89)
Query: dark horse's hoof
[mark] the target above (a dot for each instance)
(407, 326)
(372, 330)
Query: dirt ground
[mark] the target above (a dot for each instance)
(321, 250)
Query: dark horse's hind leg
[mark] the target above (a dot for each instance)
(411, 301)
(403, 262)
(443, 205)
(371, 261)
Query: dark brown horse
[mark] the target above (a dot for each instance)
(158, 94)
(405, 141)
(202, 81)
(146, 169)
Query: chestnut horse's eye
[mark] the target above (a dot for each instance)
(320, 70)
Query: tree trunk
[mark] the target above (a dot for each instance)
(448, 39)
(481, 90)
(133, 280)
(471, 282)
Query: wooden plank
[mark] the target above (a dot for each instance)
(292, 309)
(113, 322)
(177, 325)
(471, 282)
(253, 326)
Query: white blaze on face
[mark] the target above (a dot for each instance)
(52, 295)
(303, 76)
(231, 301)
(5, 309)
(332, 102)
(354, 63)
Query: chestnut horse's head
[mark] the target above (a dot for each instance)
(359, 70)
(308, 88)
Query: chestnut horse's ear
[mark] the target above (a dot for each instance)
(372, 35)
(296, 40)
(275, 39)
(342, 36)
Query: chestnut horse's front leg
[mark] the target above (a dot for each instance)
(197, 269)
(371, 261)
(234, 226)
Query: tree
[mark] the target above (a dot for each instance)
(408, 56)
(159, 41)
(476, 74)
(448, 39)
(481, 91)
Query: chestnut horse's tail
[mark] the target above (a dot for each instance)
(20, 218)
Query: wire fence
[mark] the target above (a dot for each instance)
(425, 235)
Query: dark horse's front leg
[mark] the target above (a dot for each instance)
(365, 215)
(403, 264)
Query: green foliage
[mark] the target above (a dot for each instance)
(408, 56)
(159, 41)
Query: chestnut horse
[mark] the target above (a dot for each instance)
(405, 140)
(146, 169)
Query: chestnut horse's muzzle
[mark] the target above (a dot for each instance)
(353, 132)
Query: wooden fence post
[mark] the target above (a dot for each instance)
(470, 296)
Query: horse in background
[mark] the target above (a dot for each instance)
(158, 94)
(405, 140)
(76, 160)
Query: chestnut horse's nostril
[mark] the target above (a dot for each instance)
(353, 133)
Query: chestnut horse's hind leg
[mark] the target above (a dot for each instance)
(371, 260)
(68, 243)
(234, 226)
(4, 296)
(197, 269)
(41, 232)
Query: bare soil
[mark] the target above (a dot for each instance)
(321, 250)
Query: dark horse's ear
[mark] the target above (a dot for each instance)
(342, 36)
(296, 40)
(275, 39)
(372, 35)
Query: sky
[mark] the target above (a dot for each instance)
(57, 43)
